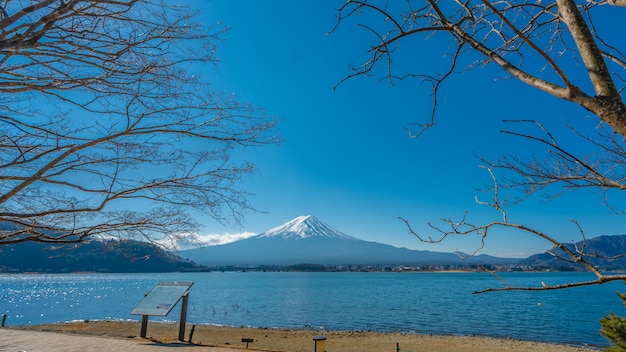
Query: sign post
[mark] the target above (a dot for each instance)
(183, 317)
(160, 302)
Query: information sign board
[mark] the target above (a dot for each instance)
(162, 299)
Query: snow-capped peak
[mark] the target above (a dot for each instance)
(303, 227)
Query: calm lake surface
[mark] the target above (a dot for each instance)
(437, 303)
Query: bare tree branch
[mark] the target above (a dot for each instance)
(110, 128)
(598, 281)
(530, 41)
(523, 28)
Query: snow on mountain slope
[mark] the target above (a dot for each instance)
(305, 227)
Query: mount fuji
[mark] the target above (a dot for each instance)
(306, 239)
(305, 227)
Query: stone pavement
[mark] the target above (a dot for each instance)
(13, 340)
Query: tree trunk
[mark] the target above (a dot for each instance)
(607, 104)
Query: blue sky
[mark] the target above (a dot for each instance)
(346, 156)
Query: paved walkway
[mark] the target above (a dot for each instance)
(13, 340)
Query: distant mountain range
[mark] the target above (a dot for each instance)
(93, 256)
(305, 239)
(304, 243)
(605, 252)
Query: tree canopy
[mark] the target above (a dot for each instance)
(563, 48)
(110, 126)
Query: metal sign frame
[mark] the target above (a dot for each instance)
(160, 301)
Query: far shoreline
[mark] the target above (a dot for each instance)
(278, 270)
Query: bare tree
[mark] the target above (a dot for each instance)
(552, 46)
(109, 128)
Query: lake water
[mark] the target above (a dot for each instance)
(415, 302)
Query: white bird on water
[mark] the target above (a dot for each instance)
(544, 284)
